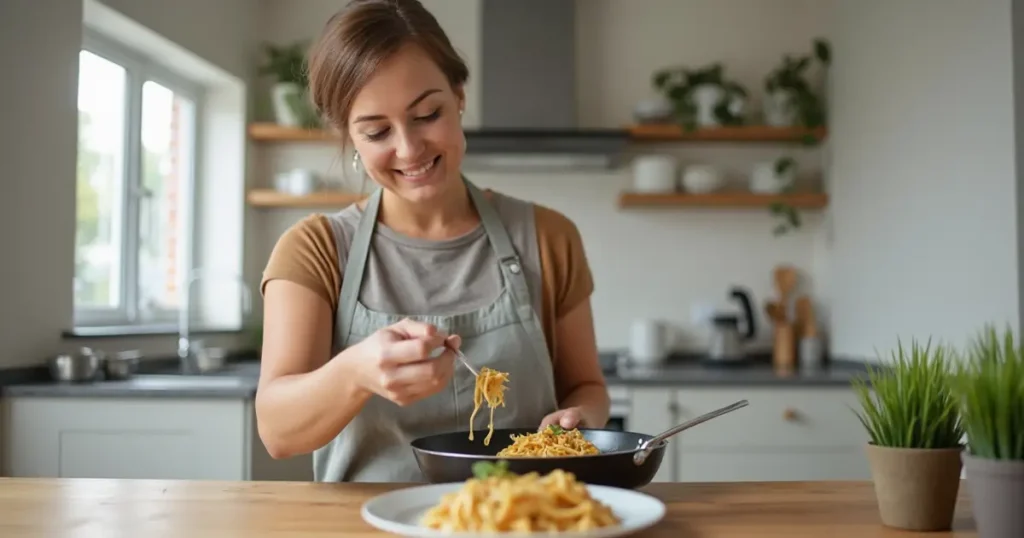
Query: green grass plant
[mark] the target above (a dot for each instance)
(908, 403)
(989, 386)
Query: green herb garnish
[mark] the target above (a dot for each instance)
(556, 429)
(485, 469)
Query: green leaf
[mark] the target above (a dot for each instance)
(484, 469)
(822, 51)
(556, 429)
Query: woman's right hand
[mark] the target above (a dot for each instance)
(395, 362)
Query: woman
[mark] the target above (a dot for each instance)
(356, 302)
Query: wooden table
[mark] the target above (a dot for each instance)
(59, 508)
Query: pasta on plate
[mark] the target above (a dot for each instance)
(550, 442)
(490, 387)
(496, 500)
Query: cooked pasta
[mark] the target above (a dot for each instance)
(490, 387)
(550, 442)
(498, 501)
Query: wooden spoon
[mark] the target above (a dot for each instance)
(785, 281)
(806, 323)
(775, 312)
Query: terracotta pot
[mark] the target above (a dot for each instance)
(916, 488)
(996, 488)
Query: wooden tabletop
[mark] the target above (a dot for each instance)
(59, 508)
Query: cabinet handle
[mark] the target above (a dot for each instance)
(789, 414)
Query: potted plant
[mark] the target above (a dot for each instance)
(287, 64)
(910, 414)
(789, 99)
(989, 386)
(702, 97)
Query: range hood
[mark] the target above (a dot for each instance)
(527, 85)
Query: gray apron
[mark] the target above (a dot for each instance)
(505, 335)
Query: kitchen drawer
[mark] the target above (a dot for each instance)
(728, 464)
(776, 417)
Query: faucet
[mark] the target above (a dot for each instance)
(186, 347)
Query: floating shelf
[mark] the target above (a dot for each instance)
(270, 132)
(738, 199)
(669, 132)
(272, 198)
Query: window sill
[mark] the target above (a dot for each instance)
(119, 331)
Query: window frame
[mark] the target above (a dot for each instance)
(140, 69)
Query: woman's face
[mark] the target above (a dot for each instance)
(405, 125)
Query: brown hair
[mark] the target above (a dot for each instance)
(357, 39)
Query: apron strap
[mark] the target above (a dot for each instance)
(511, 266)
(355, 267)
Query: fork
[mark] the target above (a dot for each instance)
(462, 358)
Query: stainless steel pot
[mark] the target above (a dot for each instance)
(81, 367)
(122, 365)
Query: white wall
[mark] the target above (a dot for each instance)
(924, 239)
(39, 41)
(647, 264)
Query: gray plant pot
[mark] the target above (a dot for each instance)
(996, 488)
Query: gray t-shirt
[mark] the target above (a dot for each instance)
(412, 276)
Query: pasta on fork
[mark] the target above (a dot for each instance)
(490, 387)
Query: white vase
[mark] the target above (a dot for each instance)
(286, 97)
(705, 98)
(764, 180)
(780, 108)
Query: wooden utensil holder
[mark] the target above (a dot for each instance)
(784, 352)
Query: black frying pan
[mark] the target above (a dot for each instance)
(627, 460)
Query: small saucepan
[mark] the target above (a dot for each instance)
(626, 460)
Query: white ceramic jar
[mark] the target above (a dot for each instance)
(655, 173)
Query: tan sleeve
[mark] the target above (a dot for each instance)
(565, 272)
(307, 254)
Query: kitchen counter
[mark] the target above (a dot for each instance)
(756, 372)
(158, 378)
(58, 508)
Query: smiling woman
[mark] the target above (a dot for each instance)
(358, 303)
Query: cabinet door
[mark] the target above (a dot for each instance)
(786, 433)
(651, 412)
(127, 438)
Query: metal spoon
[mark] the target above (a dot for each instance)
(646, 447)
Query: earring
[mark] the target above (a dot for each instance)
(355, 161)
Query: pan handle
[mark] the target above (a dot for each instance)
(645, 449)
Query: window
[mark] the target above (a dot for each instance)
(136, 165)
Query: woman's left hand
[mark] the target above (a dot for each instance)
(568, 419)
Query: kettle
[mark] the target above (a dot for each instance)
(726, 342)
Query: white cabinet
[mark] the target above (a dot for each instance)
(125, 437)
(786, 433)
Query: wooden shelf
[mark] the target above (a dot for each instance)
(270, 132)
(670, 132)
(738, 199)
(272, 198)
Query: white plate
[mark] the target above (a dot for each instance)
(399, 512)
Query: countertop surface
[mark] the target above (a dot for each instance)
(58, 508)
(160, 378)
